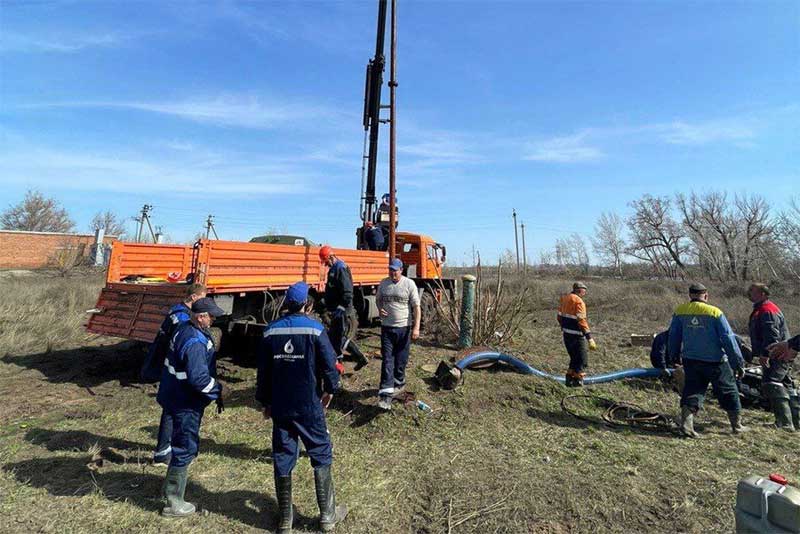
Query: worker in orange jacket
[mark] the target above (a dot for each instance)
(577, 337)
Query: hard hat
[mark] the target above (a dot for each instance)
(325, 252)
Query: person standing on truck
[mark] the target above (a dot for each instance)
(577, 336)
(188, 385)
(701, 336)
(295, 358)
(154, 363)
(373, 235)
(339, 305)
(397, 299)
(767, 326)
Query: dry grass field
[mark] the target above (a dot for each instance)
(497, 455)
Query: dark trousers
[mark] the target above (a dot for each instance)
(342, 329)
(395, 344)
(285, 435)
(578, 350)
(699, 374)
(778, 373)
(164, 445)
(185, 436)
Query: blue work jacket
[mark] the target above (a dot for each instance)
(188, 379)
(700, 331)
(294, 358)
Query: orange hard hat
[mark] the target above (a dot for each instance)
(325, 252)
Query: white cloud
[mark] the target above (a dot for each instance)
(702, 133)
(246, 111)
(60, 43)
(566, 149)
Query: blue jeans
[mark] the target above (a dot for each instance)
(164, 445)
(395, 345)
(314, 433)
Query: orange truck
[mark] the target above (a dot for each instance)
(247, 280)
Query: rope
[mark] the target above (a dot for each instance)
(622, 414)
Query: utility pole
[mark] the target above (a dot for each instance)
(143, 218)
(210, 227)
(524, 254)
(393, 133)
(516, 238)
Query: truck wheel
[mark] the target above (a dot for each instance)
(427, 306)
(216, 336)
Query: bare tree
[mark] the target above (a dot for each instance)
(757, 227)
(113, 225)
(656, 237)
(609, 242)
(787, 239)
(37, 213)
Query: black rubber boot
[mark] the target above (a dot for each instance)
(329, 513)
(779, 401)
(687, 423)
(794, 407)
(355, 351)
(283, 491)
(174, 490)
(736, 422)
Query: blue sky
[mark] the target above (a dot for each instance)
(252, 111)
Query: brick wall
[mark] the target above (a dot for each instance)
(34, 250)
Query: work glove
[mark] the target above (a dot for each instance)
(340, 367)
(220, 405)
(592, 344)
(739, 373)
(665, 375)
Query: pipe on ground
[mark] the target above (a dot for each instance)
(524, 368)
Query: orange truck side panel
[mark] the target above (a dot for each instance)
(135, 310)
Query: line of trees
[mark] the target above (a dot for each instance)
(712, 234)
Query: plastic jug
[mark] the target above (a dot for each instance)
(767, 505)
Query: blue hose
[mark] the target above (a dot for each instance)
(526, 369)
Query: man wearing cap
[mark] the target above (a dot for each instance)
(577, 336)
(294, 355)
(188, 385)
(339, 304)
(399, 307)
(767, 326)
(701, 336)
(154, 363)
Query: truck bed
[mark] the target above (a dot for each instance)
(138, 292)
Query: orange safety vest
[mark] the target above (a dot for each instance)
(572, 315)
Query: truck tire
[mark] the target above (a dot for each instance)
(427, 305)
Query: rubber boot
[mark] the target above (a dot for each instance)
(283, 490)
(794, 407)
(736, 422)
(783, 414)
(329, 513)
(355, 351)
(687, 423)
(174, 490)
(568, 381)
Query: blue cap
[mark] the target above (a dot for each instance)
(207, 305)
(395, 264)
(297, 293)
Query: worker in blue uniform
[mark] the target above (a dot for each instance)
(154, 363)
(701, 336)
(339, 306)
(188, 385)
(373, 235)
(296, 380)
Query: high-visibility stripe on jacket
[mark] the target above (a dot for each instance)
(700, 331)
(188, 379)
(572, 316)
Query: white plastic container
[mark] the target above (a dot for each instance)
(767, 505)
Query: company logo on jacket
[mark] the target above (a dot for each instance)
(288, 350)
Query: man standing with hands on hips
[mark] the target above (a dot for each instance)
(398, 299)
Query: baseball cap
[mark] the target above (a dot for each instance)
(207, 305)
(297, 293)
(578, 285)
(395, 264)
(697, 288)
